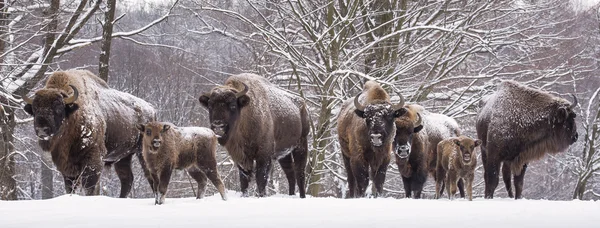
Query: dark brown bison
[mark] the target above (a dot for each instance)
(80, 120)
(418, 132)
(366, 132)
(166, 147)
(518, 124)
(456, 161)
(257, 122)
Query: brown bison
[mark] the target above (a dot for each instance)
(415, 144)
(166, 147)
(456, 161)
(257, 122)
(366, 131)
(518, 124)
(80, 120)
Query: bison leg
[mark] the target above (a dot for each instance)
(506, 175)
(378, 176)
(519, 183)
(70, 184)
(164, 179)
(461, 187)
(200, 178)
(123, 169)
(440, 174)
(469, 180)
(361, 174)
(287, 164)
(406, 181)
(89, 180)
(213, 175)
(262, 176)
(300, 159)
(350, 178)
(155, 186)
(491, 172)
(147, 173)
(245, 177)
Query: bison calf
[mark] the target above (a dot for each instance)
(456, 160)
(166, 147)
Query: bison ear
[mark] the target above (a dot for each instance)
(141, 127)
(243, 101)
(561, 116)
(477, 142)
(359, 113)
(166, 127)
(70, 108)
(28, 109)
(204, 100)
(418, 128)
(400, 112)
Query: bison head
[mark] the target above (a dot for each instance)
(379, 118)
(224, 106)
(406, 127)
(49, 107)
(466, 148)
(564, 122)
(153, 134)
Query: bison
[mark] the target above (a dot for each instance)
(456, 160)
(518, 124)
(418, 132)
(258, 122)
(80, 121)
(366, 131)
(166, 147)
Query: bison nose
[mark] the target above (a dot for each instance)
(43, 133)
(156, 142)
(218, 124)
(403, 151)
(376, 140)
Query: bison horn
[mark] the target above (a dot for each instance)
(73, 98)
(27, 99)
(400, 104)
(357, 104)
(420, 121)
(243, 92)
(574, 102)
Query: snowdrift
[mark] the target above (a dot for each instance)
(290, 211)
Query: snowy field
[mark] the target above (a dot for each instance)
(286, 212)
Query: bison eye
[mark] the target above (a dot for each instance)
(148, 132)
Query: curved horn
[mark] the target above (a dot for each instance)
(574, 102)
(73, 98)
(357, 104)
(420, 121)
(27, 99)
(243, 92)
(400, 104)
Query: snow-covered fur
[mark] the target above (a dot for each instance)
(417, 134)
(366, 134)
(80, 120)
(166, 147)
(257, 122)
(517, 125)
(456, 161)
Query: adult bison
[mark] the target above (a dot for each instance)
(418, 133)
(366, 132)
(258, 122)
(80, 120)
(518, 124)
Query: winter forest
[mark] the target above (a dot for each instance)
(446, 55)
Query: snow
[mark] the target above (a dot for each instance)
(286, 211)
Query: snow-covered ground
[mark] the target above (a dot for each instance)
(287, 212)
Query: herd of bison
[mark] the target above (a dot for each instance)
(86, 125)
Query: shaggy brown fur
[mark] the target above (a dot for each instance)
(257, 122)
(416, 146)
(457, 160)
(366, 138)
(517, 125)
(99, 122)
(166, 147)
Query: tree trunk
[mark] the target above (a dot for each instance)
(580, 188)
(107, 28)
(8, 185)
